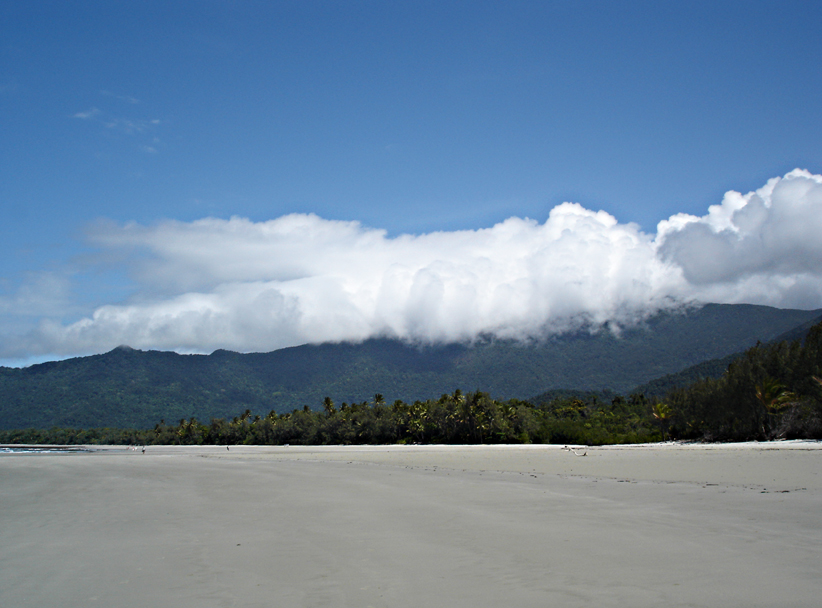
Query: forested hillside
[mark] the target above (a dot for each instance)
(131, 388)
(772, 391)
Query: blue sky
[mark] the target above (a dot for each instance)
(413, 119)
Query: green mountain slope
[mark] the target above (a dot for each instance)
(132, 388)
(713, 368)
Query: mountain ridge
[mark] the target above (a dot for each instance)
(132, 388)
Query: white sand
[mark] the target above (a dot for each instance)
(670, 525)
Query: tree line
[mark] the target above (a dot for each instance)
(455, 418)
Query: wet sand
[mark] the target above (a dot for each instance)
(659, 525)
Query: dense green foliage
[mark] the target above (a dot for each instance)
(453, 418)
(713, 368)
(127, 388)
(772, 391)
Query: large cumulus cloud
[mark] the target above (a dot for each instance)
(250, 286)
(764, 246)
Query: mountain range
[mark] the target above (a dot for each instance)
(133, 388)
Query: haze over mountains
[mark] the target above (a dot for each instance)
(132, 388)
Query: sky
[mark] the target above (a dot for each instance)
(253, 175)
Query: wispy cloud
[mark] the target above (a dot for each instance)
(124, 125)
(246, 285)
(41, 294)
(88, 114)
(125, 98)
(130, 127)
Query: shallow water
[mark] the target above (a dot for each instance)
(29, 449)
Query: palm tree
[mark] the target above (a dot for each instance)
(662, 412)
(417, 418)
(775, 397)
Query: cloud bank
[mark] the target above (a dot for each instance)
(258, 286)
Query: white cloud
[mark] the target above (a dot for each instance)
(88, 114)
(247, 285)
(765, 246)
(343, 281)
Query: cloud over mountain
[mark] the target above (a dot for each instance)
(248, 286)
(763, 247)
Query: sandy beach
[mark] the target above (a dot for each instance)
(410, 526)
